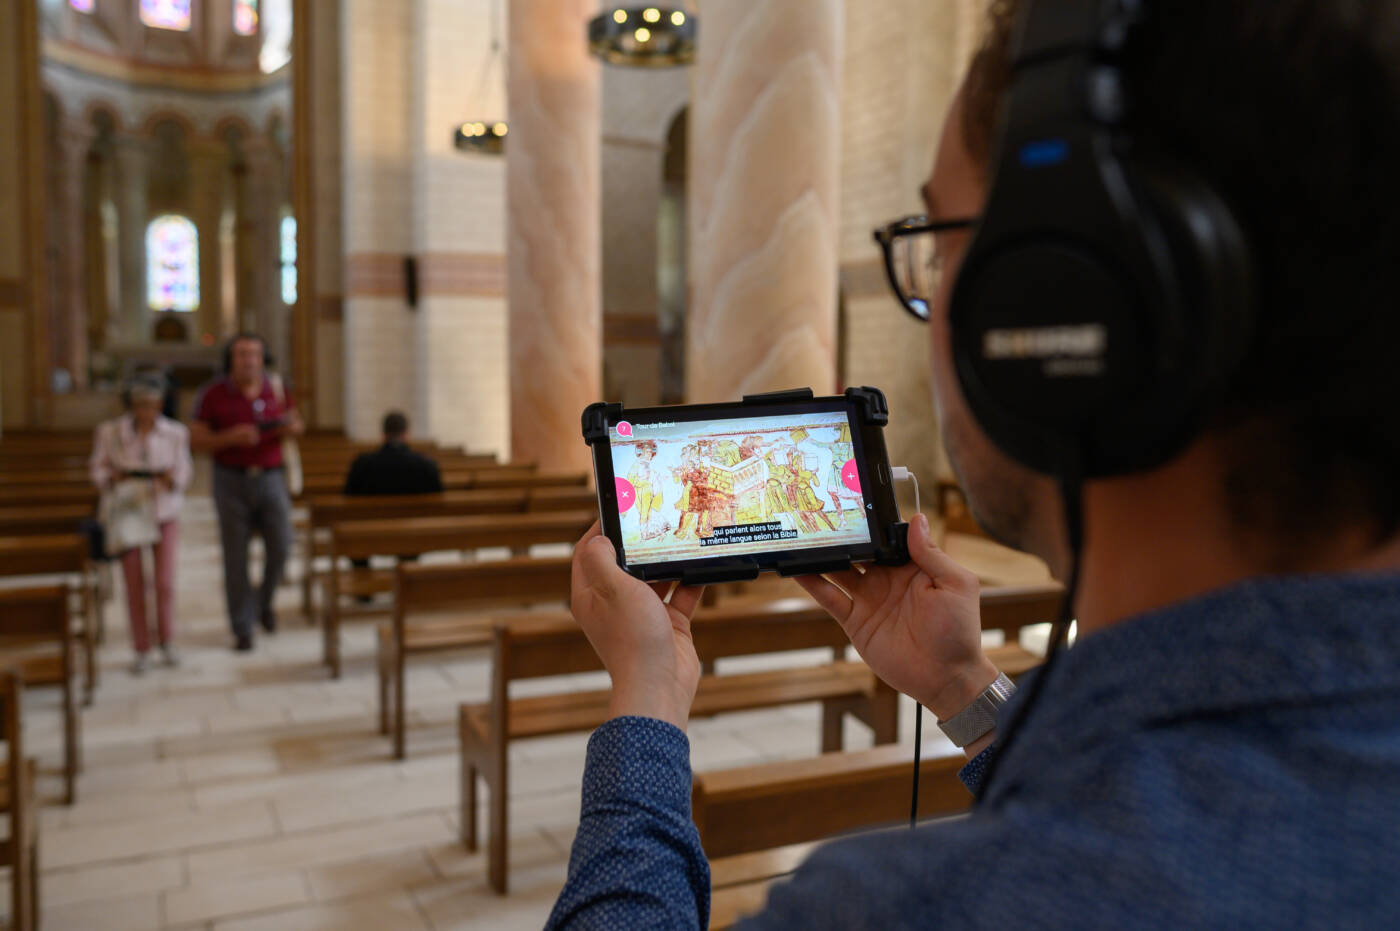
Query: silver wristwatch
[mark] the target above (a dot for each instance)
(973, 722)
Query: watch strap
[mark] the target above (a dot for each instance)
(977, 719)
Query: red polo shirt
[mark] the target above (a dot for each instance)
(223, 404)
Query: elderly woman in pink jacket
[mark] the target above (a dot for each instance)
(143, 443)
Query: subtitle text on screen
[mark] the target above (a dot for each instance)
(748, 533)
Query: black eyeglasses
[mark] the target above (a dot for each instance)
(913, 261)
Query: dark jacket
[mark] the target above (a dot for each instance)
(393, 469)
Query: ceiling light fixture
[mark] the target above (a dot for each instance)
(644, 37)
(486, 137)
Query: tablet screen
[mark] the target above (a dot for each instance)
(731, 487)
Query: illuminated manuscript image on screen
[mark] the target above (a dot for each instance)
(731, 487)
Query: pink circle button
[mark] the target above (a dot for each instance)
(850, 475)
(626, 495)
(624, 429)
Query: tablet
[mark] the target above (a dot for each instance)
(788, 483)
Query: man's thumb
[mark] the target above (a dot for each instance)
(599, 564)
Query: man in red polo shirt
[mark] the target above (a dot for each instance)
(240, 420)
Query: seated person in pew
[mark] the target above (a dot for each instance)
(143, 445)
(1221, 745)
(392, 469)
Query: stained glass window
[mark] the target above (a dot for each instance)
(245, 17)
(166, 14)
(82, 6)
(172, 264)
(289, 260)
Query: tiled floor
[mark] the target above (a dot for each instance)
(251, 792)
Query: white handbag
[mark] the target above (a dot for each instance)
(128, 516)
(291, 453)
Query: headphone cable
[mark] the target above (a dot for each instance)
(1072, 494)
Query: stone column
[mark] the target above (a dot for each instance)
(553, 224)
(259, 297)
(208, 175)
(70, 336)
(133, 213)
(765, 192)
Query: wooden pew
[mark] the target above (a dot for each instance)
(326, 510)
(416, 536)
(34, 495)
(42, 519)
(553, 645)
(65, 555)
(465, 479)
(20, 849)
(476, 587)
(36, 635)
(49, 476)
(753, 808)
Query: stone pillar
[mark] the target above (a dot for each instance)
(765, 194)
(379, 327)
(553, 223)
(462, 376)
(259, 215)
(208, 176)
(70, 336)
(133, 213)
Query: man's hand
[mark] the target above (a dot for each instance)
(292, 424)
(642, 639)
(917, 626)
(243, 434)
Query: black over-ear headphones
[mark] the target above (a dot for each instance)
(239, 337)
(1107, 293)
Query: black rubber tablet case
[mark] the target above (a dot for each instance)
(874, 411)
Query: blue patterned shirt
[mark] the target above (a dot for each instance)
(1232, 761)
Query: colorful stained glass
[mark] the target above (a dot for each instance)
(289, 260)
(172, 264)
(245, 17)
(166, 14)
(83, 6)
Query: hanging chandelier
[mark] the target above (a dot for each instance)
(644, 37)
(486, 137)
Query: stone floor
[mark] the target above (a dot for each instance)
(243, 792)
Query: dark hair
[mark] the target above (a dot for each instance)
(1290, 109)
(237, 338)
(395, 425)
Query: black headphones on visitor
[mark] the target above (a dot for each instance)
(239, 337)
(1107, 293)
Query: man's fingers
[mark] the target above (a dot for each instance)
(836, 602)
(686, 598)
(938, 565)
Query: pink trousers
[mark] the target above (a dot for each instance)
(165, 588)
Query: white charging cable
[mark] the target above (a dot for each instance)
(900, 474)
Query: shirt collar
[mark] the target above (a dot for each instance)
(1277, 641)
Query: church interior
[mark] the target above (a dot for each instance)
(484, 214)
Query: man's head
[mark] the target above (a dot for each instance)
(395, 427)
(1291, 111)
(247, 353)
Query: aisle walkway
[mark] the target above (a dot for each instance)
(244, 792)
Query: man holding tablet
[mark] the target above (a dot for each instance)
(1162, 344)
